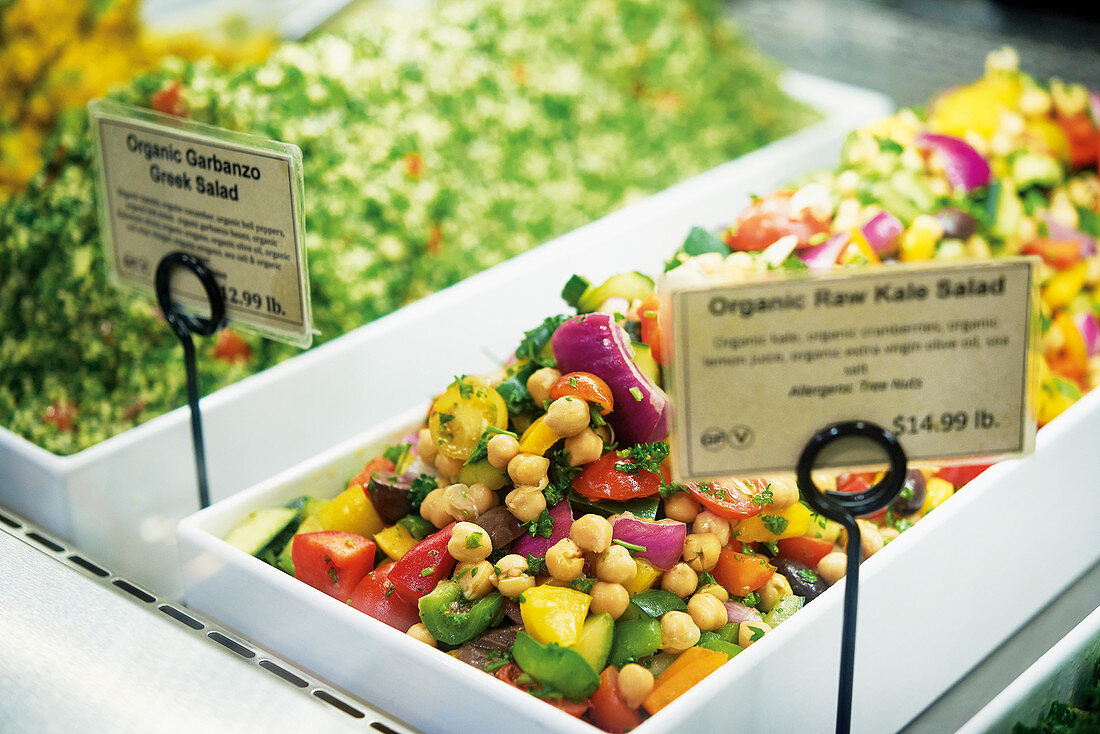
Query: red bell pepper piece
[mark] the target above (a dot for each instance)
(741, 573)
(960, 475)
(424, 566)
(600, 480)
(809, 551)
(332, 561)
(610, 710)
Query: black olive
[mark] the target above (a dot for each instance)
(957, 224)
(804, 581)
(911, 497)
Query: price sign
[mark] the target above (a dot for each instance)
(234, 201)
(939, 355)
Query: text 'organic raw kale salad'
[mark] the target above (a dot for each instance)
(529, 526)
(435, 145)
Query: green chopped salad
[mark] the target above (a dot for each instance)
(436, 144)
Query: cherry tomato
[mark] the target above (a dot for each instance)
(856, 482)
(461, 414)
(649, 312)
(610, 710)
(169, 101)
(587, 387)
(600, 480)
(377, 597)
(378, 463)
(767, 219)
(231, 348)
(730, 498)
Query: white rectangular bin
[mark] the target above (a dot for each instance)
(933, 603)
(120, 500)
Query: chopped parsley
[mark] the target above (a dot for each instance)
(806, 575)
(536, 565)
(667, 489)
(642, 457)
(636, 393)
(533, 346)
(583, 584)
(775, 524)
(560, 476)
(473, 540)
(334, 576)
(396, 454)
(751, 599)
(427, 571)
(542, 526)
(497, 659)
(465, 389)
(420, 488)
(706, 579)
(772, 548)
(764, 497)
(481, 450)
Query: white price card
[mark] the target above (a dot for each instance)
(941, 356)
(232, 200)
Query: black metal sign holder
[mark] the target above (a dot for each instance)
(184, 325)
(844, 508)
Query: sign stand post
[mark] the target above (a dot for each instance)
(184, 325)
(844, 508)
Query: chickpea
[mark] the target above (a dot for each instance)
(469, 543)
(584, 447)
(432, 509)
(784, 493)
(484, 498)
(459, 502)
(565, 560)
(750, 632)
(591, 533)
(681, 580)
(425, 446)
(701, 551)
(513, 576)
(610, 598)
(475, 579)
(567, 416)
(682, 506)
(833, 567)
(870, 539)
(774, 589)
(419, 632)
(502, 448)
(707, 611)
(526, 502)
(678, 632)
(528, 468)
(635, 683)
(447, 466)
(888, 534)
(540, 382)
(707, 522)
(716, 590)
(616, 566)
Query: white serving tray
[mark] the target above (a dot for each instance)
(933, 604)
(121, 499)
(1057, 676)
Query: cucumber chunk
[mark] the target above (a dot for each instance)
(256, 531)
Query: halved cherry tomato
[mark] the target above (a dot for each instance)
(600, 480)
(610, 710)
(856, 482)
(587, 387)
(1083, 138)
(741, 573)
(378, 463)
(332, 561)
(730, 498)
(231, 348)
(767, 219)
(960, 475)
(169, 101)
(510, 672)
(377, 597)
(649, 313)
(461, 414)
(1056, 253)
(422, 567)
(809, 551)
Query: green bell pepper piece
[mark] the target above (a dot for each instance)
(560, 669)
(634, 640)
(417, 526)
(711, 641)
(452, 619)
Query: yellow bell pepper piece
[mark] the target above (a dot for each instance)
(1064, 286)
(772, 525)
(537, 439)
(644, 579)
(395, 541)
(351, 511)
(918, 242)
(554, 613)
(936, 491)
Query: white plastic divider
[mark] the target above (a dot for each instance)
(121, 499)
(933, 604)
